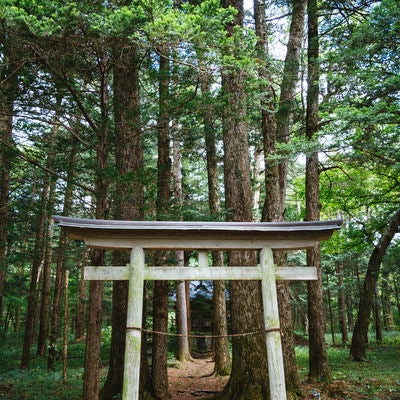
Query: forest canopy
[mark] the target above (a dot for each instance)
(199, 111)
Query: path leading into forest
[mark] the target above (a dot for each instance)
(194, 379)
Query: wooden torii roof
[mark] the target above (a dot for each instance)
(183, 235)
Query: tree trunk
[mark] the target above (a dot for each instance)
(129, 195)
(8, 87)
(249, 377)
(37, 262)
(359, 343)
(330, 310)
(279, 130)
(342, 304)
(44, 314)
(272, 208)
(66, 326)
(289, 86)
(377, 314)
(182, 352)
(222, 360)
(93, 334)
(318, 360)
(94, 307)
(396, 293)
(58, 281)
(80, 312)
(159, 376)
(387, 309)
(114, 381)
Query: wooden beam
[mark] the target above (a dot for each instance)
(197, 243)
(200, 273)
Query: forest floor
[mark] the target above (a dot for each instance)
(375, 379)
(195, 380)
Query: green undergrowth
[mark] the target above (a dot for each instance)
(377, 378)
(37, 382)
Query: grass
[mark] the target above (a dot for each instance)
(376, 379)
(37, 383)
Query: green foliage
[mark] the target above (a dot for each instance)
(66, 51)
(38, 383)
(380, 376)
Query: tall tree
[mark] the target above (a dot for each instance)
(128, 194)
(59, 273)
(8, 93)
(159, 376)
(221, 346)
(363, 97)
(342, 304)
(249, 377)
(44, 313)
(318, 360)
(183, 348)
(94, 308)
(276, 128)
(359, 342)
(38, 255)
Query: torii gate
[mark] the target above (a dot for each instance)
(136, 236)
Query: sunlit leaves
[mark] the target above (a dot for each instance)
(361, 118)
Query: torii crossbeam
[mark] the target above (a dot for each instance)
(137, 236)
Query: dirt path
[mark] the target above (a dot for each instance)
(193, 379)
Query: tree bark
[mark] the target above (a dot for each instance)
(318, 360)
(129, 195)
(94, 307)
(377, 315)
(330, 309)
(38, 254)
(396, 292)
(182, 351)
(387, 309)
(58, 281)
(159, 376)
(80, 312)
(66, 326)
(278, 129)
(44, 313)
(359, 342)
(91, 375)
(222, 359)
(342, 304)
(249, 377)
(222, 366)
(289, 85)
(8, 88)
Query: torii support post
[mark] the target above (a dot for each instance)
(133, 340)
(136, 236)
(276, 371)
